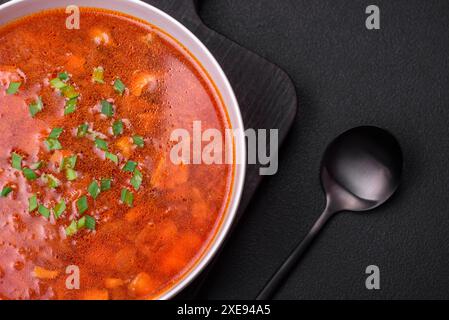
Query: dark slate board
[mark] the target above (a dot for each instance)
(265, 93)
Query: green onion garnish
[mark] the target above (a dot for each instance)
(82, 130)
(119, 86)
(43, 211)
(57, 83)
(69, 92)
(68, 162)
(16, 161)
(29, 174)
(55, 133)
(51, 180)
(127, 197)
(130, 166)
(37, 165)
(52, 141)
(87, 222)
(5, 191)
(117, 127)
(32, 203)
(111, 157)
(13, 87)
(136, 180)
(106, 108)
(101, 144)
(81, 204)
(70, 106)
(59, 209)
(36, 106)
(81, 223)
(90, 222)
(70, 174)
(63, 76)
(138, 141)
(94, 189)
(53, 144)
(71, 229)
(105, 184)
(98, 75)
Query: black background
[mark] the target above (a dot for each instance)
(345, 75)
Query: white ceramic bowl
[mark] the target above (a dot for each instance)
(19, 8)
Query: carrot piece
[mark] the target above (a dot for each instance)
(142, 285)
(142, 80)
(42, 273)
(112, 283)
(75, 64)
(125, 145)
(100, 37)
(169, 175)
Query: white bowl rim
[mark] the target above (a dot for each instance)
(216, 74)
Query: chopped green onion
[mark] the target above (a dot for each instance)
(81, 223)
(101, 144)
(136, 180)
(90, 222)
(36, 107)
(94, 189)
(37, 165)
(119, 86)
(57, 83)
(13, 87)
(16, 161)
(130, 166)
(52, 141)
(127, 197)
(53, 144)
(81, 204)
(69, 92)
(69, 162)
(59, 209)
(106, 108)
(55, 133)
(105, 184)
(32, 203)
(5, 191)
(117, 127)
(111, 157)
(138, 141)
(87, 222)
(70, 174)
(63, 76)
(29, 174)
(98, 75)
(51, 180)
(43, 211)
(82, 130)
(71, 229)
(70, 106)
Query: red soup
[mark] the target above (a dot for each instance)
(88, 190)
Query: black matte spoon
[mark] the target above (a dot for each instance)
(360, 170)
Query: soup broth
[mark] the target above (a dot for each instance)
(88, 187)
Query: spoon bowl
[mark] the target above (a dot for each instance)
(361, 169)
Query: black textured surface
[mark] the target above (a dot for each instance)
(345, 75)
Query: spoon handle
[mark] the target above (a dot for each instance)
(281, 274)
